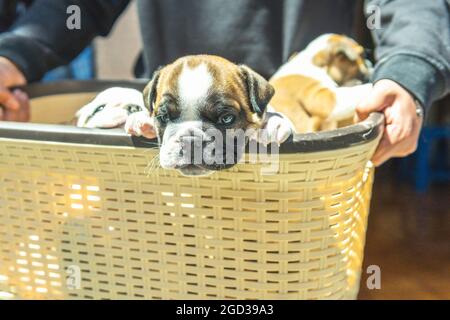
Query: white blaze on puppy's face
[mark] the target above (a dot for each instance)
(193, 87)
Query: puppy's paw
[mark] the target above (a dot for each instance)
(277, 129)
(140, 124)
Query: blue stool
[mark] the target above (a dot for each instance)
(425, 171)
(430, 161)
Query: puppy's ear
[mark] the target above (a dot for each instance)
(324, 57)
(260, 91)
(150, 91)
(346, 50)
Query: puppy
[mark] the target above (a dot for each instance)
(310, 89)
(110, 108)
(203, 109)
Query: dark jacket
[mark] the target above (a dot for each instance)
(9, 10)
(412, 45)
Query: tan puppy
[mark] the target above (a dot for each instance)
(203, 110)
(308, 88)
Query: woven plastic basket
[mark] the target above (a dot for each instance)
(82, 216)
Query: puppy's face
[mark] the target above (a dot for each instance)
(202, 108)
(343, 59)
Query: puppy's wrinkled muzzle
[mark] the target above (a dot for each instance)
(198, 149)
(191, 142)
(183, 148)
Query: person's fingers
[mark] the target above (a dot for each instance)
(379, 98)
(410, 144)
(390, 146)
(385, 147)
(384, 150)
(10, 115)
(8, 100)
(402, 130)
(401, 119)
(24, 112)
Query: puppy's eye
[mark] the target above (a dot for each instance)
(99, 108)
(132, 108)
(227, 119)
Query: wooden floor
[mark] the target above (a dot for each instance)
(408, 237)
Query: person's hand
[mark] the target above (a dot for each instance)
(403, 125)
(14, 106)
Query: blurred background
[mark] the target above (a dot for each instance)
(409, 224)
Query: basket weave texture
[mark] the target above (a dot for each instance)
(92, 222)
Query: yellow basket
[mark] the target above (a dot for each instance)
(83, 216)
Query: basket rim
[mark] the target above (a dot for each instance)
(360, 133)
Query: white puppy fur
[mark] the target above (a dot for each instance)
(193, 87)
(347, 98)
(110, 108)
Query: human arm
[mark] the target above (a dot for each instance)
(40, 40)
(413, 58)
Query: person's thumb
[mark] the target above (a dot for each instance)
(8, 100)
(377, 100)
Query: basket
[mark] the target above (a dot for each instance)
(83, 216)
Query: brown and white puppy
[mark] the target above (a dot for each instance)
(202, 106)
(311, 89)
(204, 109)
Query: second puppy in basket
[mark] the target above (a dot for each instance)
(322, 84)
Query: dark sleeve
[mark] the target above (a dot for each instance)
(40, 40)
(413, 45)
